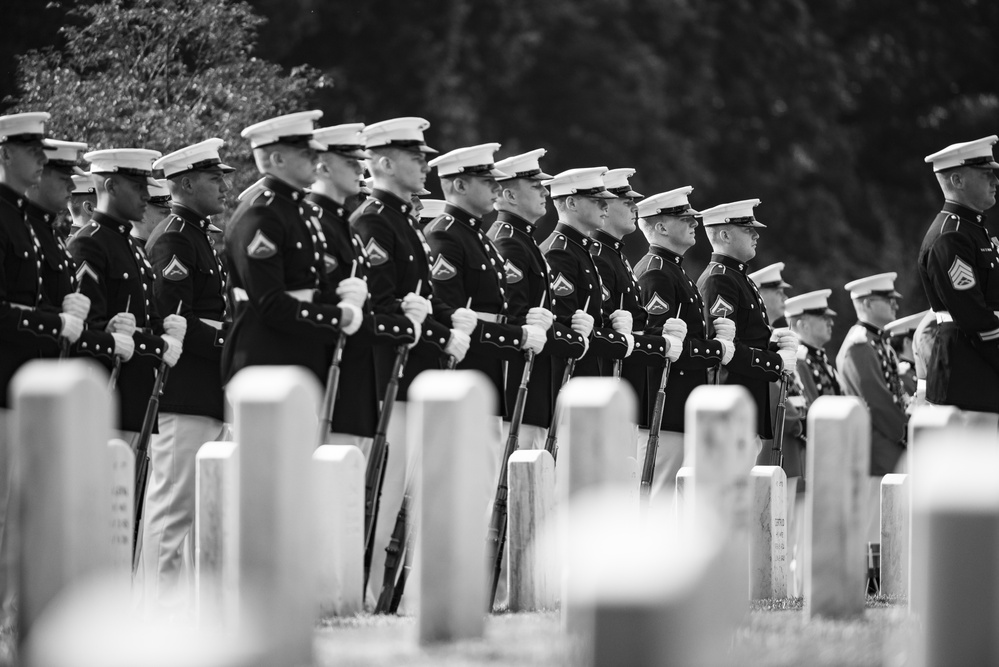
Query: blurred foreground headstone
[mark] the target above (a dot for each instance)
(339, 485)
(895, 535)
(216, 482)
(768, 562)
(533, 572)
(837, 469)
(451, 418)
(122, 505)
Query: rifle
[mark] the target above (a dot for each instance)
(142, 454)
(452, 361)
(498, 523)
(619, 363)
(551, 442)
(652, 448)
(116, 367)
(374, 474)
(64, 343)
(333, 380)
(776, 452)
(401, 543)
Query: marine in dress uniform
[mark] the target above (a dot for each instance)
(675, 310)
(399, 258)
(27, 330)
(900, 337)
(338, 183)
(868, 368)
(276, 266)
(959, 270)
(620, 288)
(114, 272)
(467, 270)
(772, 287)
(580, 199)
(82, 202)
(189, 280)
(521, 203)
(728, 292)
(158, 209)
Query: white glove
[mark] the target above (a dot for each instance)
(457, 345)
(175, 326)
(124, 346)
(464, 320)
(76, 304)
(540, 317)
(418, 329)
(352, 290)
(355, 317)
(72, 327)
(674, 331)
(728, 350)
(534, 338)
(582, 323)
(171, 355)
(122, 323)
(789, 358)
(621, 321)
(415, 307)
(724, 329)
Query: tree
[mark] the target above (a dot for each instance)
(161, 74)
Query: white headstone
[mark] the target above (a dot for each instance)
(533, 572)
(216, 533)
(837, 469)
(339, 472)
(451, 417)
(684, 497)
(62, 476)
(275, 419)
(122, 506)
(768, 562)
(895, 535)
(955, 555)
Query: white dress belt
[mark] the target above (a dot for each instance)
(21, 306)
(495, 318)
(212, 323)
(239, 294)
(943, 316)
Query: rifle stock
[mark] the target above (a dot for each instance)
(332, 385)
(777, 451)
(652, 448)
(498, 523)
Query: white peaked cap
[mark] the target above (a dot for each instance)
(733, 213)
(616, 182)
(346, 139)
(23, 127)
(65, 155)
(159, 193)
(525, 165)
(905, 325)
(673, 202)
(587, 181)
(83, 185)
(202, 156)
(126, 161)
(883, 284)
(406, 132)
(432, 208)
(810, 303)
(473, 160)
(294, 128)
(770, 276)
(977, 153)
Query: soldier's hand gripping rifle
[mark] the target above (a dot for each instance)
(496, 538)
(551, 442)
(142, 454)
(333, 380)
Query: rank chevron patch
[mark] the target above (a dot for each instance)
(721, 308)
(513, 274)
(961, 275)
(175, 270)
(376, 254)
(656, 305)
(562, 287)
(442, 269)
(86, 271)
(330, 262)
(605, 294)
(261, 247)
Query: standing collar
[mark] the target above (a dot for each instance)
(600, 236)
(327, 203)
(392, 201)
(515, 221)
(725, 260)
(666, 253)
(877, 331)
(12, 196)
(573, 234)
(963, 211)
(461, 215)
(282, 188)
(106, 220)
(189, 215)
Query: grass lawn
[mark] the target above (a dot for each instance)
(775, 633)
